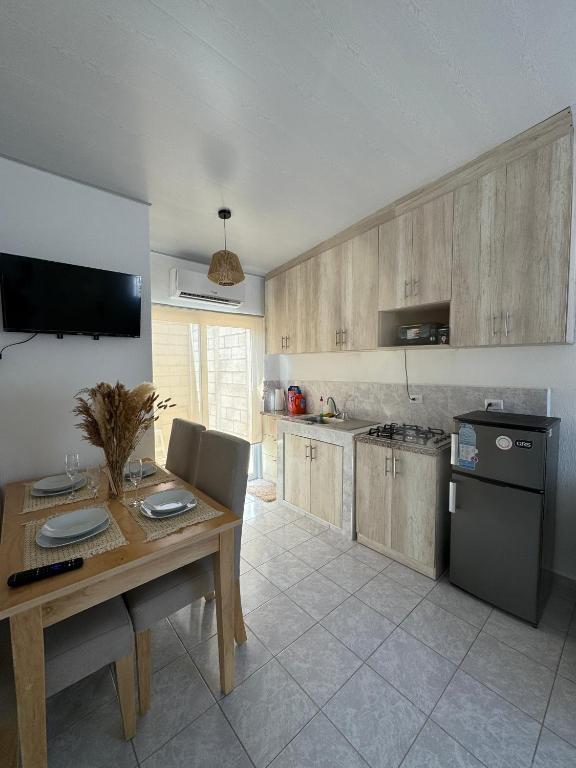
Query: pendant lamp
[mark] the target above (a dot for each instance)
(225, 268)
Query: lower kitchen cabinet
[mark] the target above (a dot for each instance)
(313, 477)
(402, 505)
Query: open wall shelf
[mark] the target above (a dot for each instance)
(390, 320)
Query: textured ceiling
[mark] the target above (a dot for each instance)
(301, 116)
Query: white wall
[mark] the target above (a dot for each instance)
(160, 276)
(48, 217)
(547, 366)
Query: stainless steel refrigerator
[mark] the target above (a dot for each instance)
(502, 500)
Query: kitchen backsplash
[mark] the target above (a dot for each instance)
(389, 402)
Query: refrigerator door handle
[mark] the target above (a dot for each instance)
(452, 498)
(454, 449)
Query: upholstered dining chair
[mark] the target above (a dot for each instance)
(80, 645)
(184, 449)
(222, 474)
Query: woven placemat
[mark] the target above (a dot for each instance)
(35, 556)
(157, 529)
(38, 503)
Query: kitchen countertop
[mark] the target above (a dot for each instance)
(428, 450)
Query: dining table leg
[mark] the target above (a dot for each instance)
(27, 636)
(224, 584)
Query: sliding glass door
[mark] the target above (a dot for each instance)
(211, 365)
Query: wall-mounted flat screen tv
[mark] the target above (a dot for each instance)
(40, 296)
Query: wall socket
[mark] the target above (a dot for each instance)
(415, 398)
(491, 404)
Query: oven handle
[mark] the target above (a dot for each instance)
(452, 498)
(454, 449)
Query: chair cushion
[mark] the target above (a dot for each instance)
(86, 642)
(167, 594)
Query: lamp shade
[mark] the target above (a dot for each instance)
(225, 268)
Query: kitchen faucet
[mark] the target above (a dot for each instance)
(335, 410)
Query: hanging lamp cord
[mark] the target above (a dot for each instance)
(224, 221)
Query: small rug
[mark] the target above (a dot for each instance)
(262, 489)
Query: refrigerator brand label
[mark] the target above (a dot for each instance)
(467, 451)
(504, 443)
(523, 444)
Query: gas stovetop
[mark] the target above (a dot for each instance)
(410, 433)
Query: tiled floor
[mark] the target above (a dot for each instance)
(352, 660)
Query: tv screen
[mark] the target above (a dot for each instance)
(41, 296)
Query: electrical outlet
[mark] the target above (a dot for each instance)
(415, 398)
(491, 404)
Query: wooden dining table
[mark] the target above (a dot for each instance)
(33, 607)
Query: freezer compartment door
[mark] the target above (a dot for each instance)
(513, 456)
(495, 534)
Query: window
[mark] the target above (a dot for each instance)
(211, 365)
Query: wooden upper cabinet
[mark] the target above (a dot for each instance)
(395, 262)
(359, 259)
(415, 260)
(537, 245)
(275, 310)
(327, 313)
(432, 251)
(478, 238)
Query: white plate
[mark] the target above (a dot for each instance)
(75, 523)
(54, 483)
(148, 468)
(80, 483)
(161, 515)
(48, 543)
(166, 502)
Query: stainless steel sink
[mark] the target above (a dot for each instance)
(333, 423)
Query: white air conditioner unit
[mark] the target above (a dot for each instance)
(196, 288)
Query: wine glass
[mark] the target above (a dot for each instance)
(93, 481)
(135, 475)
(72, 461)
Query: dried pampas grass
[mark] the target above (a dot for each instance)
(115, 418)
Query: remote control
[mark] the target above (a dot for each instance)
(44, 572)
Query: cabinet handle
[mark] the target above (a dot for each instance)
(343, 333)
(454, 449)
(494, 331)
(338, 342)
(395, 462)
(507, 324)
(452, 498)
(414, 287)
(307, 455)
(386, 468)
(312, 454)
(406, 284)
(283, 337)
(287, 341)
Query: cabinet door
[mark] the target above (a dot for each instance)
(432, 251)
(275, 310)
(360, 292)
(537, 244)
(291, 305)
(373, 492)
(479, 212)
(326, 482)
(395, 263)
(297, 471)
(309, 278)
(413, 506)
(328, 314)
